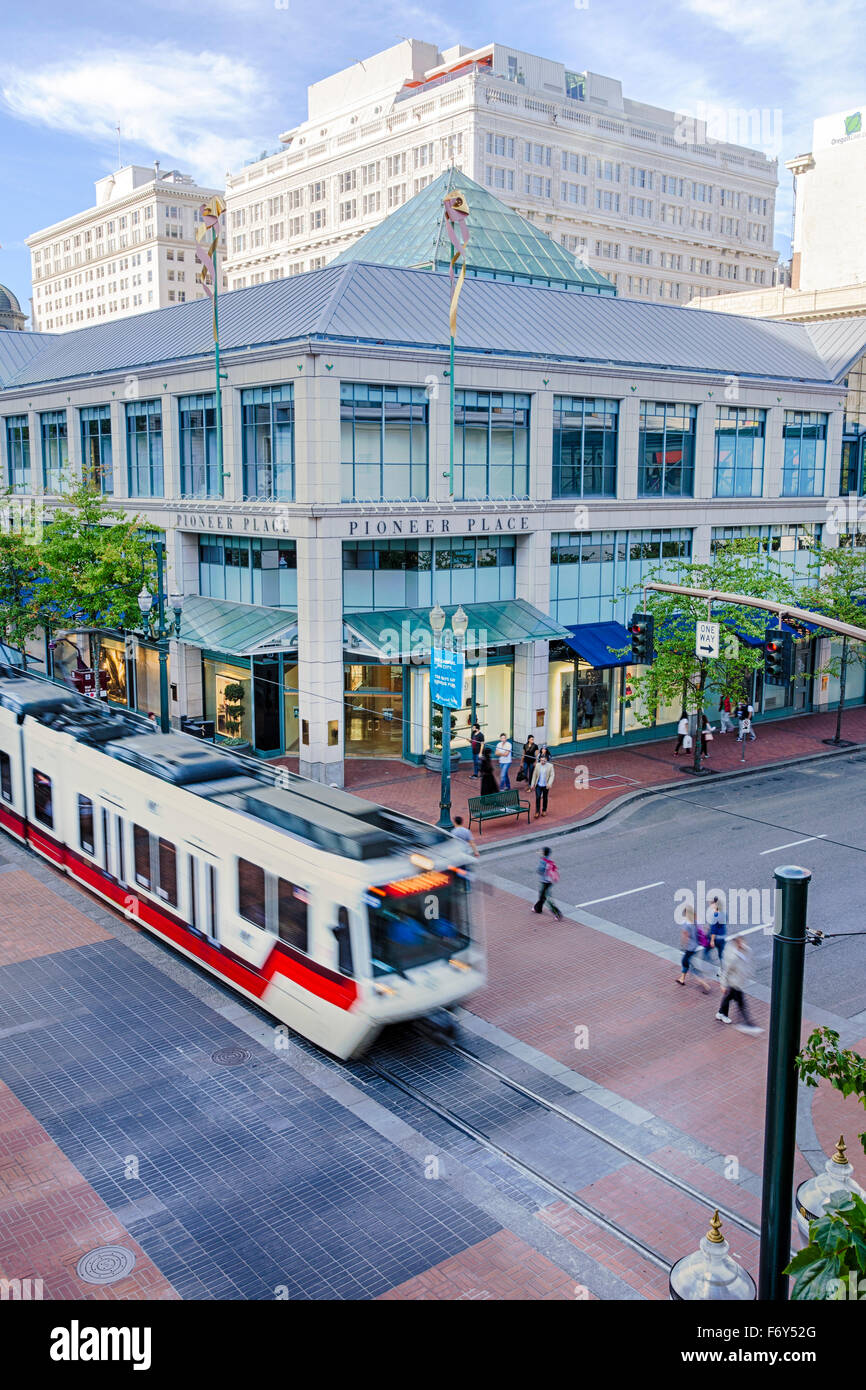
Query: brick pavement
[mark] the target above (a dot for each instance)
(34, 921)
(501, 1267)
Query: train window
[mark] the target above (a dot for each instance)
(292, 903)
(106, 862)
(5, 777)
(193, 894)
(212, 901)
(141, 853)
(42, 798)
(251, 893)
(167, 872)
(86, 837)
(344, 942)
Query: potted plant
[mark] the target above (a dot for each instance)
(433, 757)
(233, 716)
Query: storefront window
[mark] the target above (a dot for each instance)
(491, 444)
(96, 455)
(384, 442)
(805, 434)
(228, 699)
(666, 451)
(268, 414)
(487, 697)
(147, 693)
(578, 697)
(291, 707)
(373, 715)
(855, 677)
(739, 451)
(112, 660)
(584, 447)
(199, 458)
(18, 452)
(55, 449)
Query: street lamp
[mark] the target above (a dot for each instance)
(157, 630)
(459, 625)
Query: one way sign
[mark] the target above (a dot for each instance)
(707, 639)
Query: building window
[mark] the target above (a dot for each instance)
(590, 571)
(791, 546)
(491, 444)
(666, 452)
(414, 573)
(55, 449)
(805, 435)
(96, 456)
(250, 569)
(584, 447)
(739, 451)
(18, 452)
(199, 459)
(144, 448)
(384, 442)
(268, 416)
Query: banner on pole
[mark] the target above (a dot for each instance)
(446, 677)
(456, 213)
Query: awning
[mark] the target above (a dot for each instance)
(400, 633)
(593, 641)
(238, 629)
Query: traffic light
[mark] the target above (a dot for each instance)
(642, 638)
(778, 658)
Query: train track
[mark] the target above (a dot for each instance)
(415, 1087)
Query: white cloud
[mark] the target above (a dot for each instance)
(192, 107)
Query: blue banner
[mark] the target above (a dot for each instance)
(446, 677)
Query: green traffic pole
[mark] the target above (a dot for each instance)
(162, 641)
(780, 1124)
(445, 822)
(451, 435)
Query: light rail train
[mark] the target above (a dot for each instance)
(335, 915)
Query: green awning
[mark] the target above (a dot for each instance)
(400, 633)
(238, 629)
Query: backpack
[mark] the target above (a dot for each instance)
(552, 875)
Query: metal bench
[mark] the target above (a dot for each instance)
(496, 804)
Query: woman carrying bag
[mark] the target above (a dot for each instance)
(542, 780)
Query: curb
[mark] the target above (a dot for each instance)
(668, 788)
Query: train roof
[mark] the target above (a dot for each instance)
(24, 697)
(175, 758)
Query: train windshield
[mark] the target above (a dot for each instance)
(415, 921)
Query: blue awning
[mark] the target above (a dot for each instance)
(593, 641)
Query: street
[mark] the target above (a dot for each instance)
(731, 836)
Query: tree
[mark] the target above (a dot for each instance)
(20, 575)
(837, 1240)
(840, 590)
(96, 560)
(677, 673)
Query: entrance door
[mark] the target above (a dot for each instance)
(112, 845)
(266, 704)
(203, 899)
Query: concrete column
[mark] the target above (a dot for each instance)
(774, 450)
(118, 450)
(233, 483)
(185, 660)
(531, 659)
(73, 446)
(627, 448)
(320, 657)
(833, 457)
(438, 435)
(35, 432)
(821, 698)
(170, 446)
(701, 538)
(317, 439)
(705, 450)
(541, 446)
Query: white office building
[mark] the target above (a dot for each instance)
(132, 251)
(643, 195)
(829, 248)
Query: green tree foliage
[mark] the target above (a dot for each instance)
(95, 560)
(677, 674)
(20, 572)
(822, 1057)
(839, 581)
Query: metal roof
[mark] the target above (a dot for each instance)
(17, 349)
(238, 629)
(500, 624)
(839, 341)
(403, 308)
(502, 244)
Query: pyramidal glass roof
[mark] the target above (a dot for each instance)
(502, 244)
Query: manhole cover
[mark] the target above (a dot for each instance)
(105, 1265)
(230, 1056)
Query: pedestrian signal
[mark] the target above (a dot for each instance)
(642, 638)
(778, 659)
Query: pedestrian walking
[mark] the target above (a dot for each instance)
(548, 874)
(744, 720)
(152, 720)
(684, 738)
(735, 977)
(489, 780)
(726, 724)
(691, 945)
(476, 742)
(460, 832)
(707, 732)
(717, 928)
(504, 755)
(542, 780)
(530, 757)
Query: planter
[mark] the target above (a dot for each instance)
(433, 761)
(241, 746)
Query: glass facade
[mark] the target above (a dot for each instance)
(491, 444)
(584, 447)
(805, 435)
(249, 569)
(666, 457)
(228, 699)
(55, 449)
(268, 418)
(96, 456)
(419, 573)
(384, 442)
(144, 448)
(373, 710)
(790, 545)
(199, 458)
(18, 452)
(579, 697)
(590, 569)
(739, 451)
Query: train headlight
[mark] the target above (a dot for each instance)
(421, 861)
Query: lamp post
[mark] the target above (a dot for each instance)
(459, 624)
(159, 631)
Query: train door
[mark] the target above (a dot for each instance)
(112, 845)
(204, 898)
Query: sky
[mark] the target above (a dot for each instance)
(205, 88)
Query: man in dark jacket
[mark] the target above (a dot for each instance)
(477, 743)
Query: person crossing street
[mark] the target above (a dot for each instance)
(548, 875)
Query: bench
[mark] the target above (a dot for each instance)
(496, 804)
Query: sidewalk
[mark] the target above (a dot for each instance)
(612, 773)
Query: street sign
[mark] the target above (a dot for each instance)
(707, 639)
(446, 677)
